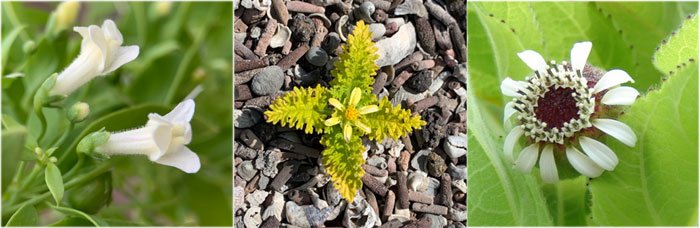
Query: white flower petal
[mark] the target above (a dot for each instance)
(363, 127)
(355, 96)
(183, 112)
(332, 121)
(508, 111)
(599, 153)
(183, 159)
(368, 109)
(510, 141)
(123, 56)
(548, 167)
(336, 103)
(527, 158)
(622, 95)
(617, 129)
(582, 163)
(610, 79)
(533, 60)
(347, 132)
(151, 140)
(111, 31)
(579, 54)
(510, 88)
(97, 38)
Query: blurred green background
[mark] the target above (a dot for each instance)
(183, 45)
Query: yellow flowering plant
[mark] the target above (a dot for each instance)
(346, 112)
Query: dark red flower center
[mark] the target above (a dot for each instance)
(556, 107)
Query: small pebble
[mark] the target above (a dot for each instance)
(419, 82)
(268, 81)
(420, 160)
(246, 118)
(252, 217)
(303, 28)
(458, 172)
(436, 165)
(317, 56)
(456, 145)
(246, 170)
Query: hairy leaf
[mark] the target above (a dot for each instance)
(679, 48)
(304, 108)
(356, 65)
(391, 121)
(342, 160)
(656, 182)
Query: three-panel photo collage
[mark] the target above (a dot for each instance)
(349, 113)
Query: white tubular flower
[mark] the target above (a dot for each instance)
(100, 53)
(559, 110)
(162, 139)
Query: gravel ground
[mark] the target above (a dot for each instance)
(418, 181)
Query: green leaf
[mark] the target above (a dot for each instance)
(7, 42)
(391, 121)
(656, 182)
(54, 181)
(25, 216)
(70, 212)
(566, 201)
(356, 67)
(504, 196)
(679, 48)
(343, 161)
(305, 108)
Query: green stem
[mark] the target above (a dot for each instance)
(59, 141)
(26, 182)
(44, 125)
(104, 167)
(15, 180)
(12, 16)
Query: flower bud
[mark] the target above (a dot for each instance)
(42, 97)
(78, 112)
(65, 14)
(29, 47)
(90, 142)
(162, 8)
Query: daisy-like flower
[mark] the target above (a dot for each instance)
(100, 53)
(564, 107)
(349, 115)
(162, 139)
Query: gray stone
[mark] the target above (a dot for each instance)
(331, 42)
(263, 182)
(456, 145)
(433, 186)
(246, 117)
(238, 198)
(360, 214)
(246, 170)
(412, 7)
(256, 198)
(317, 56)
(418, 181)
(420, 160)
(377, 30)
(275, 209)
(436, 165)
(377, 161)
(458, 172)
(268, 81)
(392, 50)
(436, 220)
(268, 162)
(460, 185)
(295, 214)
(458, 215)
(252, 217)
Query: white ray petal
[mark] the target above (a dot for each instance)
(617, 129)
(508, 111)
(610, 79)
(579, 54)
(548, 167)
(527, 158)
(599, 153)
(510, 141)
(622, 95)
(510, 87)
(582, 163)
(533, 60)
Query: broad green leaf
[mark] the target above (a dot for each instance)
(680, 48)
(70, 212)
(656, 182)
(643, 25)
(343, 161)
(54, 181)
(566, 201)
(499, 195)
(13, 152)
(25, 216)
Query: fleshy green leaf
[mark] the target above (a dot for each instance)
(567, 201)
(391, 121)
(679, 48)
(54, 181)
(656, 182)
(356, 67)
(25, 216)
(343, 160)
(304, 108)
